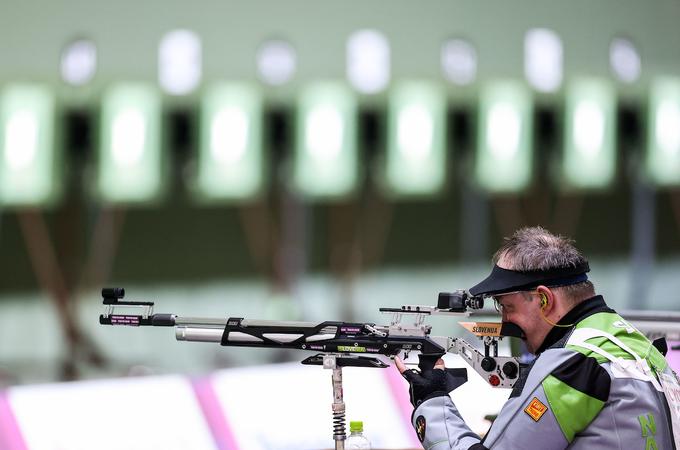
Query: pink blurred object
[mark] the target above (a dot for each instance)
(673, 356)
(10, 435)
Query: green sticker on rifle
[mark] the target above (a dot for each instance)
(349, 348)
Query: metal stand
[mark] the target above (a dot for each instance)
(336, 362)
(339, 435)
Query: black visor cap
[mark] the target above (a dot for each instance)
(503, 280)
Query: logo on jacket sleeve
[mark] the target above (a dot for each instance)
(420, 428)
(536, 409)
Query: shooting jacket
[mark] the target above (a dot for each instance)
(591, 387)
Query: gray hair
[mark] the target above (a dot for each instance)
(535, 248)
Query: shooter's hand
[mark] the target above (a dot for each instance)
(423, 387)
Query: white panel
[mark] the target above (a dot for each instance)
(156, 413)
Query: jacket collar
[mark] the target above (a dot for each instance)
(579, 312)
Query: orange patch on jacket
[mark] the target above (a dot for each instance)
(536, 409)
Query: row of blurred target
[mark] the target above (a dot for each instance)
(368, 61)
(232, 160)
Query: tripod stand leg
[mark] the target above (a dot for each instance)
(339, 436)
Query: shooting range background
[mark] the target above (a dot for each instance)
(290, 250)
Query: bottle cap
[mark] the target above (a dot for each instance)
(356, 425)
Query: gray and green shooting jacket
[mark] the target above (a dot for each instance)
(592, 386)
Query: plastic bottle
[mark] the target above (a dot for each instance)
(356, 439)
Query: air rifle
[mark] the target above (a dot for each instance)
(353, 341)
(343, 344)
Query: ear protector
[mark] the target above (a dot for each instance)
(544, 303)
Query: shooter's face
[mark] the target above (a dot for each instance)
(523, 309)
